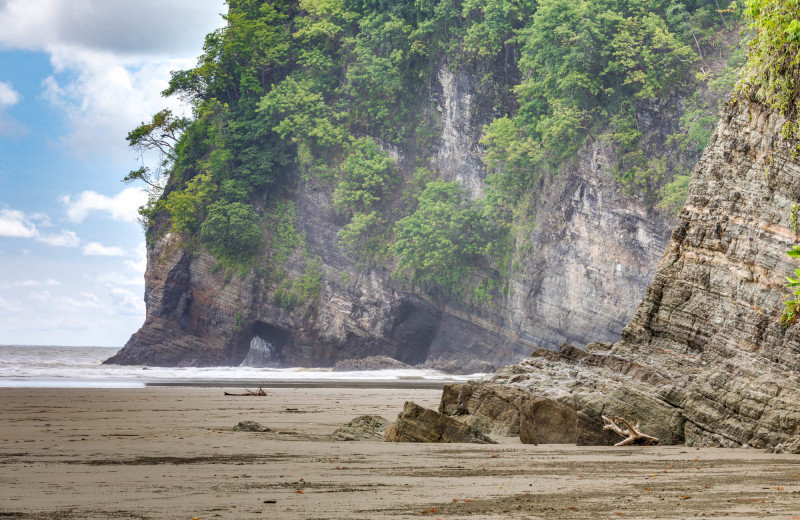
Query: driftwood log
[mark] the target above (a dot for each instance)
(632, 434)
(250, 393)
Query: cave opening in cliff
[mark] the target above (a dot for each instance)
(263, 346)
(414, 332)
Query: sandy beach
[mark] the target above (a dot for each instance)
(172, 453)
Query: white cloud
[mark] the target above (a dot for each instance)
(122, 206)
(127, 300)
(88, 301)
(98, 249)
(14, 223)
(115, 278)
(41, 296)
(143, 28)
(18, 224)
(62, 239)
(8, 96)
(140, 264)
(34, 283)
(111, 59)
(7, 306)
(104, 96)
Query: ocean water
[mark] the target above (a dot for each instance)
(81, 367)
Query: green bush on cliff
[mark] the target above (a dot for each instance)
(367, 174)
(231, 228)
(439, 243)
(792, 306)
(773, 62)
(187, 206)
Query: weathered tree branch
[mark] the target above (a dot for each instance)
(632, 434)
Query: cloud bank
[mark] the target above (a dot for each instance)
(111, 60)
(123, 206)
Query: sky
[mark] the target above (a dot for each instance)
(75, 77)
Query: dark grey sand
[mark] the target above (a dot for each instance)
(171, 453)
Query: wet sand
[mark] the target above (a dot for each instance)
(171, 453)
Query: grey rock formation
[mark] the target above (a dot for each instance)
(592, 254)
(544, 421)
(361, 428)
(705, 359)
(250, 426)
(418, 424)
(494, 409)
(368, 363)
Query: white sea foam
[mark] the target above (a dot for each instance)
(81, 367)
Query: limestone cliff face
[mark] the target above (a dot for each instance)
(705, 359)
(592, 252)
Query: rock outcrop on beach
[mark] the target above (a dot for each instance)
(369, 363)
(418, 424)
(705, 360)
(250, 426)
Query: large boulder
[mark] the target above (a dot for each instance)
(545, 421)
(491, 408)
(418, 424)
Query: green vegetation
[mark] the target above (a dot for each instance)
(317, 91)
(441, 242)
(774, 58)
(590, 69)
(792, 307)
(674, 193)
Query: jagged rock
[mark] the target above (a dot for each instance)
(491, 408)
(544, 421)
(250, 426)
(418, 424)
(361, 428)
(368, 363)
(792, 446)
(705, 359)
(461, 366)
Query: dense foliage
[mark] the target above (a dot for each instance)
(773, 66)
(318, 91)
(442, 241)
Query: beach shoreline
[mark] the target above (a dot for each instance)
(170, 452)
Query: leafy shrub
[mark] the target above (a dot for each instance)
(441, 242)
(231, 228)
(186, 207)
(367, 174)
(773, 64)
(792, 306)
(673, 194)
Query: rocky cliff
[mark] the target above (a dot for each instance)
(705, 359)
(592, 252)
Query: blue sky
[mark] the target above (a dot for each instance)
(75, 77)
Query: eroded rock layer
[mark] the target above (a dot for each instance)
(705, 359)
